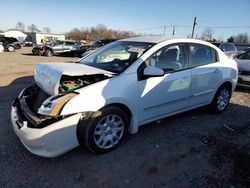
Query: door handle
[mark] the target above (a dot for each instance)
(216, 71)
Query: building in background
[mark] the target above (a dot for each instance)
(42, 38)
(19, 35)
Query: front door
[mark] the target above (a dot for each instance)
(170, 93)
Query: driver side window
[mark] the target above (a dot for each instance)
(169, 58)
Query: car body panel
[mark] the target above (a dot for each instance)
(205, 81)
(170, 92)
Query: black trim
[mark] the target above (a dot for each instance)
(28, 113)
(140, 75)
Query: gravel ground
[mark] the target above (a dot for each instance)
(193, 149)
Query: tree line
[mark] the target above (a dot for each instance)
(99, 31)
(241, 38)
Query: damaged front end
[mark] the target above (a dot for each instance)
(38, 109)
(27, 106)
(47, 135)
(36, 114)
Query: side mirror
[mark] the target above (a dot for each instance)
(153, 72)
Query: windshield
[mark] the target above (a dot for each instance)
(228, 47)
(117, 56)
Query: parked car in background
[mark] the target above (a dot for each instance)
(243, 61)
(56, 48)
(27, 43)
(1, 48)
(229, 49)
(81, 50)
(243, 51)
(10, 44)
(119, 88)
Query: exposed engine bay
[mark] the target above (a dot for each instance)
(71, 83)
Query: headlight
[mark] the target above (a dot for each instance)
(53, 105)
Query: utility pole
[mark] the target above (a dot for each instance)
(194, 24)
(164, 32)
(173, 30)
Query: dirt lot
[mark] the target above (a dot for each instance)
(193, 149)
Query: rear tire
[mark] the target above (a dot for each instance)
(104, 130)
(48, 53)
(221, 99)
(11, 49)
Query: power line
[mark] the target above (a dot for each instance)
(189, 26)
(226, 27)
(150, 28)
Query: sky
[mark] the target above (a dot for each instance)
(224, 17)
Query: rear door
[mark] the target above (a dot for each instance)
(58, 47)
(68, 46)
(206, 73)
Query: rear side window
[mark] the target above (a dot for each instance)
(69, 43)
(202, 55)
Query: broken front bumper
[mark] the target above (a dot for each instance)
(48, 141)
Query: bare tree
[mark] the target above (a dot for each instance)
(75, 34)
(241, 38)
(207, 34)
(33, 28)
(99, 31)
(46, 30)
(20, 26)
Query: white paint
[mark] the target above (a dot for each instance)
(148, 100)
(20, 36)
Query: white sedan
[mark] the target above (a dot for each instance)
(118, 88)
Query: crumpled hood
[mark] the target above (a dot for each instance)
(243, 65)
(47, 75)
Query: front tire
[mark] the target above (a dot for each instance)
(48, 53)
(221, 99)
(104, 130)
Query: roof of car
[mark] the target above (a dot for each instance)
(158, 39)
(155, 39)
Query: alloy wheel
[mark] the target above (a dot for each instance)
(109, 131)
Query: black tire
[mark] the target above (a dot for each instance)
(39, 52)
(11, 48)
(48, 53)
(221, 99)
(89, 127)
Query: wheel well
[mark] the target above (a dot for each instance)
(124, 108)
(227, 83)
(50, 49)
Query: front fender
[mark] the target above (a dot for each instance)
(107, 92)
